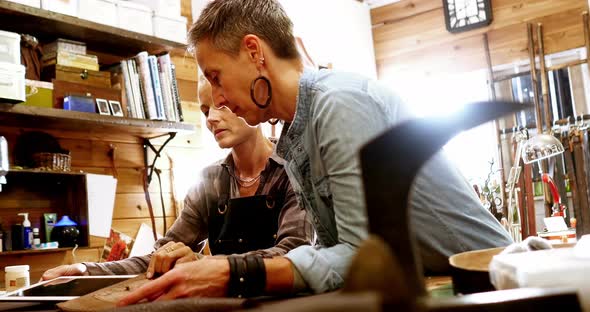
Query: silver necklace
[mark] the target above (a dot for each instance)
(247, 182)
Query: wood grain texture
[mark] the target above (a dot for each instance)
(131, 226)
(403, 9)
(411, 32)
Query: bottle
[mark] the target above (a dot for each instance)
(36, 238)
(16, 277)
(1, 238)
(27, 233)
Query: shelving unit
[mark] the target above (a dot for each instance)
(39, 192)
(48, 25)
(18, 115)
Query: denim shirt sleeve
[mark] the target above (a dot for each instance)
(342, 120)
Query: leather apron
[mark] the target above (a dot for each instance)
(243, 224)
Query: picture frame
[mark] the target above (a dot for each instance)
(103, 107)
(116, 109)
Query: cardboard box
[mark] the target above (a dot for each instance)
(33, 3)
(99, 11)
(173, 29)
(67, 7)
(168, 8)
(135, 17)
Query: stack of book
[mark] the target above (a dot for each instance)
(150, 87)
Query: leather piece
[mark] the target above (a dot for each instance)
(105, 298)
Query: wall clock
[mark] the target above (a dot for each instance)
(461, 15)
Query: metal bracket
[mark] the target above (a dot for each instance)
(147, 143)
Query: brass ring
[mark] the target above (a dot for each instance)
(270, 203)
(222, 211)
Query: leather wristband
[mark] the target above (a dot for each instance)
(247, 276)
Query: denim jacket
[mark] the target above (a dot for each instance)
(336, 114)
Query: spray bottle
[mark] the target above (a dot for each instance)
(27, 233)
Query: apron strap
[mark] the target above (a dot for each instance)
(224, 190)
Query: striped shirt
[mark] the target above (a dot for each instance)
(191, 227)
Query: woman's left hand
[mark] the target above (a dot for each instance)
(208, 277)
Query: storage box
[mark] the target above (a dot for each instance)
(99, 11)
(82, 61)
(135, 17)
(68, 7)
(77, 75)
(12, 83)
(9, 47)
(39, 93)
(173, 29)
(79, 103)
(168, 8)
(64, 45)
(33, 3)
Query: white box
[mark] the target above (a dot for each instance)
(197, 7)
(173, 29)
(9, 47)
(12, 82)
(559, 267)
(33, 3)
(135, 17)
(168, 8)
(99, 11)
(68, 7)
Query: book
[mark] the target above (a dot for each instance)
(176, 93)
(156, 88)
(165, 79)
(145, 79)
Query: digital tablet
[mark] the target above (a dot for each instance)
(63, 288)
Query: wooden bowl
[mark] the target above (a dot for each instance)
(469, 270)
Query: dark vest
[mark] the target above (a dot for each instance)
(243, 224)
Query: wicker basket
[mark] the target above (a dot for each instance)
(52, 161)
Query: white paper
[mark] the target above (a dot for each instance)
(101, 190)
(144, 241)
(555, 224)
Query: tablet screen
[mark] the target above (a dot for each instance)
(65, 288)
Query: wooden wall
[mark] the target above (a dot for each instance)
(410, 35)
(90, 153)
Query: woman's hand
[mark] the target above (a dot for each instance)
(208, 277)
(167, 256)
(65, 270)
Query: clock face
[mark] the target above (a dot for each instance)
(461, 15)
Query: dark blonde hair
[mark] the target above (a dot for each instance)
(226, 22)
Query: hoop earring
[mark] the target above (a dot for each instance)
(268, 99)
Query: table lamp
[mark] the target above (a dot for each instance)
(540, 147)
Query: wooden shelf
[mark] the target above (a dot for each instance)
(19, 115)
(47, 26)
(39, 251)
(37, 171)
